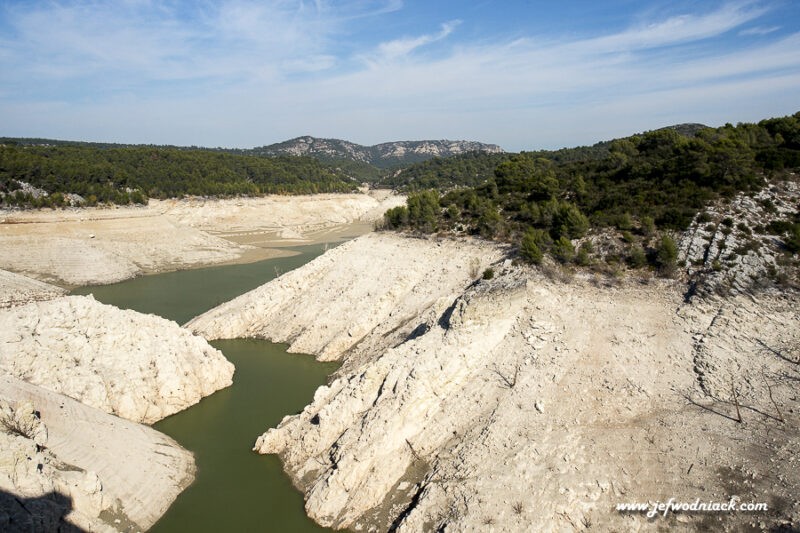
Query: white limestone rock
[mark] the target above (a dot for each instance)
(65, 466)
(136, 366)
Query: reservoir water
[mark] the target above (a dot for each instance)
(236, 489)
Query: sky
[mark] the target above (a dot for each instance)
(524, 74)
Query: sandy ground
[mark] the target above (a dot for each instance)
(104, 245)
(527, 402)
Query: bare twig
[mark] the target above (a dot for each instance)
(413, 451)
(509, 382)
(774, 403)
(736, 401)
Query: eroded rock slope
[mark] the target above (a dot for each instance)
(364, 292)
(139, 367)
(68, 467)
(523, 403)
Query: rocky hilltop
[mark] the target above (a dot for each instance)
(524, 402)
(136, 366)
(379, 155)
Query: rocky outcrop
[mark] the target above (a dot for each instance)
(729, 248)
(68, 467)
(16, 289)
(365, 292)
(524, 403)
(139, 367)
(366, 430)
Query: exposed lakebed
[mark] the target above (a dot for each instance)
(235, 489)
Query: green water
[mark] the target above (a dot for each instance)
(236, 489)
(182, 295)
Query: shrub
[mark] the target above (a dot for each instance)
(666, 255)
(488, 273)
(637, 257)
(648, 226)
(627, 236)
(569, 221)
(793, 240)
(396, 217)
(563, 250)
(583, 257)
(532, 245)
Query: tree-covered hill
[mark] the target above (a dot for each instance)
(475, 167)
(642, 185)
(117, 174)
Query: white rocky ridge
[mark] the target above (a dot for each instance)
(68, 467)
(408, 151)
(139, 367)
(364, 290)
(523, 403)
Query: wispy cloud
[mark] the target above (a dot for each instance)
(397, 48)
(760, 30)
(678, 29)
(236, 71)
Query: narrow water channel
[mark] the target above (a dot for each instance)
(236, 489)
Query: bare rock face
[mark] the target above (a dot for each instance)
(361, 291)
(68, 467)
(523, 403)
(136, 366)
(728, 247)
(364, 431)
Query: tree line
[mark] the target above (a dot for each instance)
(644, 186)
(122, 175)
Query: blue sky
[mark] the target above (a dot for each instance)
(521, 74)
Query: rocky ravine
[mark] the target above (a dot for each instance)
(136, 366)
(522, 403)
(68, 467)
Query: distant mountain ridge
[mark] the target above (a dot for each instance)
(380, 155)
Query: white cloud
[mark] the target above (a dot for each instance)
(397, 48)
(760, 30)
(678, 29)
(251, 73)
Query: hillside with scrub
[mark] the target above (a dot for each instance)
(618, 204)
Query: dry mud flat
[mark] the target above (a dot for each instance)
(524, 403)
(97, 245)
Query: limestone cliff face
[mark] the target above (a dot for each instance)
(139, 367)
(397, 152)
(68, 467)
